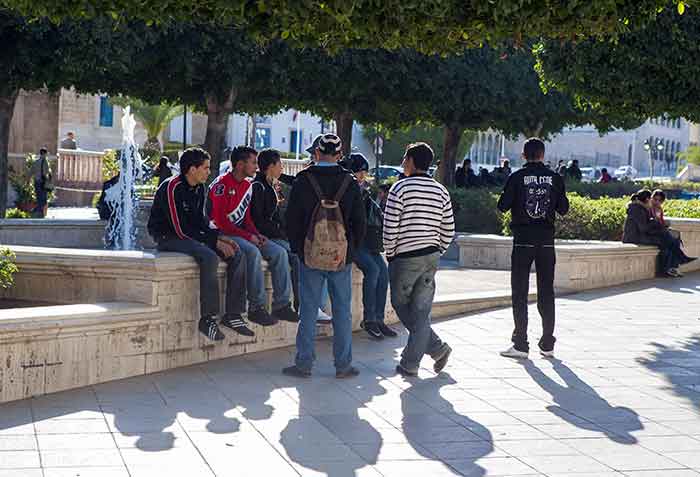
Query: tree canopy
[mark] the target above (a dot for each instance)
(646, 73)
(426, 25)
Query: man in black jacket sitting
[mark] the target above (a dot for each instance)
(178, 224)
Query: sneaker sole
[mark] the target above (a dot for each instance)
(546, 354)
(513, 356)
(442, 362)
(404, 372)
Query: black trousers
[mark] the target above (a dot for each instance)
(521, 263)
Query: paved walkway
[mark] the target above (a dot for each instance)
(623, 400)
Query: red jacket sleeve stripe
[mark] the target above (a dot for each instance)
(173, 208)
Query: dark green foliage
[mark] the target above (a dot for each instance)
(428, 25)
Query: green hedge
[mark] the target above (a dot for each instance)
(588, 219)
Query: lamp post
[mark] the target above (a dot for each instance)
(659, 147)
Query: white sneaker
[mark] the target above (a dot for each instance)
(514, 353)
(323, 318)
(547, 354)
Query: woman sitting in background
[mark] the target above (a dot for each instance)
(642, 228)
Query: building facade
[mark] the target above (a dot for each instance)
(590, 148)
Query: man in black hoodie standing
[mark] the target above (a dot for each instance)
(534, 195)
(331, 179)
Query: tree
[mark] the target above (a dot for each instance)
(153, 117)
(428, 25)
(646, 73)
(38, 54)
(217, 69)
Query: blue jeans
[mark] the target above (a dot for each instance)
(278, 264)
(412, 293)
(311, 282)
(375, 284)
(294, 264)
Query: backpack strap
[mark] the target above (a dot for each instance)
(315, 186)
(343, 187)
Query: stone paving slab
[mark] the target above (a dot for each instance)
(621, 399)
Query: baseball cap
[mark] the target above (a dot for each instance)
(330, 144)
(314, 144)
(357, 162)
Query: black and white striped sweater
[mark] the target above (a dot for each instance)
(418, 217)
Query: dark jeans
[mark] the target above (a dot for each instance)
(294, 265)
(671, 253)
(521, 262)
(208, 261)
(375, 284)
(42, 198)
(412, 292)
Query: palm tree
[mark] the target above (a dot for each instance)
(154, 117)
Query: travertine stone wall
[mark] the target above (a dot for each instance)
(581, 265)
(52, 232)
(690, 234)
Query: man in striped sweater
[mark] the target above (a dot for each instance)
(418, 228)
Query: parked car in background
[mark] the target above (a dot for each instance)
(383, 173)
(625, 172)
(590, 174)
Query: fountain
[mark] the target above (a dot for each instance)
(122, 198)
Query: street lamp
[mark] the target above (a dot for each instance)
(659, 148)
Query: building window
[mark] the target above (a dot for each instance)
(263, 119)
(263, 138)
(293, 138)
(106, 112)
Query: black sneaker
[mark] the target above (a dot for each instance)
(386, 331)
(209, 328)
(286, 314)
(372, 329)
(296, 372)
(405, 372)
(441, 362)
(237, 324)
(351, 372)
(261, 317)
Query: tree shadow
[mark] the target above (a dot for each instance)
(443, 433)
(680, 366)
(579, 404)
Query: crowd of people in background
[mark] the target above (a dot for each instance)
(309, 242)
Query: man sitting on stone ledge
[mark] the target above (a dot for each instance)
(178, 224)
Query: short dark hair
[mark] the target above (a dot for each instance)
(241, 153)
(43, 150)
(533, 149)
(193, 157)
(266, 158)
(642, 195)
(604, 169)
(659, 193)
(422, 155)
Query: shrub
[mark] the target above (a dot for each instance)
(7, 268)
(475, 211)
(16, 214)
(110, 165)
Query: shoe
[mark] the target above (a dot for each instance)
(324, 318)
(286, 314)
(405, 372)
(209, 328)
(373, 331)
(261, 317)
(547, 354)
(514, 353)
(296, 372)
(687, 259)
(386, 331)
(237, 324)
(351, 372)
(673, 273)
(441, 362)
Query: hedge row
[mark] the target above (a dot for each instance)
(588, 219)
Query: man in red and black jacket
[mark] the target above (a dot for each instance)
(178, 224)
(229, 208)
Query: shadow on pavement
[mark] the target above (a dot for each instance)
(579, 404)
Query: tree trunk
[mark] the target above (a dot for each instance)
(448, 164)
(533, 131)
(343, 123)
(7, 109)
(218, 111)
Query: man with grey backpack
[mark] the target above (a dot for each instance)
(325, 224)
